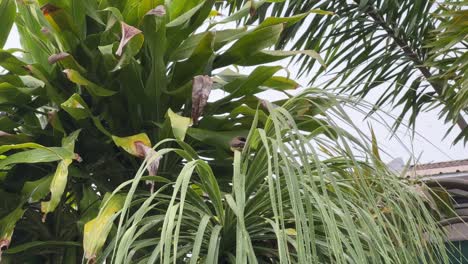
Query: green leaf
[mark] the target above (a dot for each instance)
(7, 18)
(267, 56)
(250, 85)
(179, 124)
(10, 94)
(37, 156)
(93, 89)
(37, 244)
(11, 63)
(97, 230)
(215, 138)
(76, 107)
(67, 61)
(37, 190)
(181, 11)
(199, 62)
(250, 44)
(7, 226)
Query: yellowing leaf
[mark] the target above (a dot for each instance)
(128, 143)
(57, 187)
(59, 181)
(97, 230)
(291, 232)
(179, 124)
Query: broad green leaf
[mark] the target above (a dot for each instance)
(291, 20)
(67, 61)
(6, 148)
(281, 83)
(250, 85)
(249, 44)
(179, 124)
(267, 56)
(7, 17)
(198, 63)
(128, 143)
(37, 244)
(12, 95)
(59, 18)
(242, 12)
(11, 63)
(37, 156)
(7, 226)
(215, 138)
(13, 138)
(181, 11)
(97, 230)
(221, 38)
(76, 107)
(34, 191)
(93, 89)
(69, 141)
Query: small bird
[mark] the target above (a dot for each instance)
(237, 143)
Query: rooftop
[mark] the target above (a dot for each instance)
(437, 168)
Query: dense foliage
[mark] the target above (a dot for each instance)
(410, 54)
(112, 151)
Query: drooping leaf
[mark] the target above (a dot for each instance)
(57, 187)
(201, 89)
(59, 180)
(128, 32)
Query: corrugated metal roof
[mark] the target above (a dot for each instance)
(438, 165)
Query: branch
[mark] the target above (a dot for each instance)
(410, 54)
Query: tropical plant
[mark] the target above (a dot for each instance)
(234, 179)
(408, 53)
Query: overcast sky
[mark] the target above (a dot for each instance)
(427, 146)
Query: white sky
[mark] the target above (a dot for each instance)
(427, 146)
